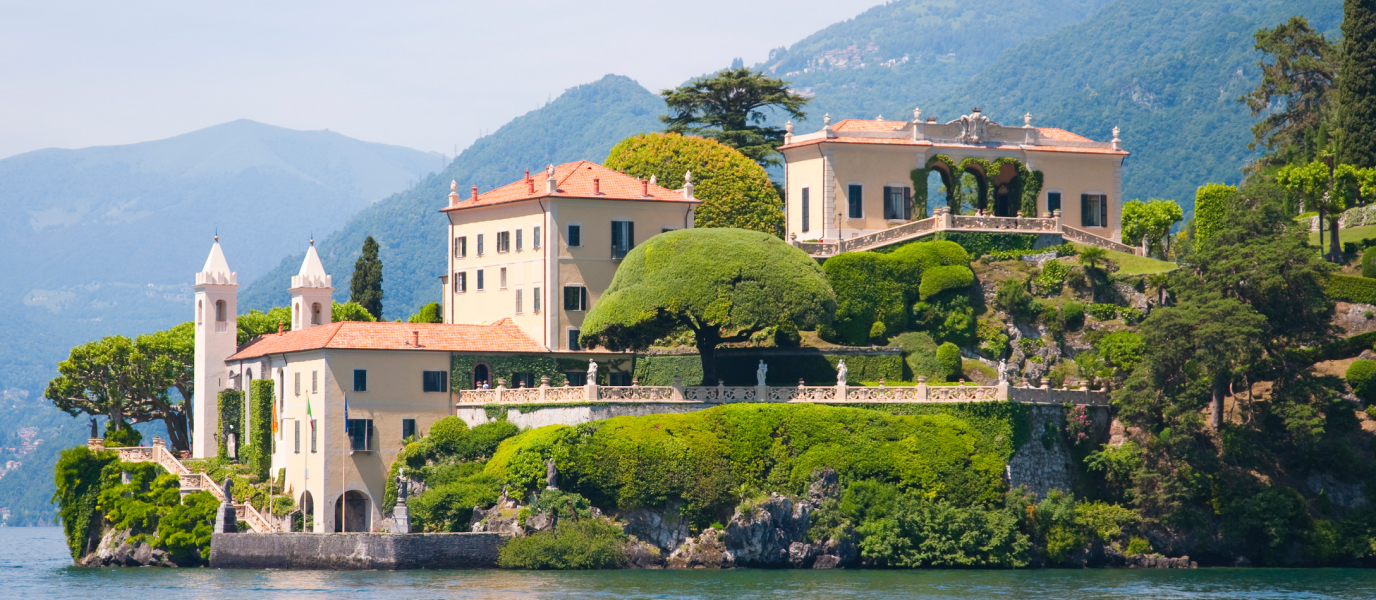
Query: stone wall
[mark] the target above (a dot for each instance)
(354, 551)
(1043, 463)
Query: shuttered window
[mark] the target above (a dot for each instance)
(807, 211)
(897, 203)
(853, 198)
(1093, 210)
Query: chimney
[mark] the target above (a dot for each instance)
(596, 186)
(645, 187)
(454, 193)
(551, 186)
(279, 328)
(475, 192)
(415, 339)
(687, 184)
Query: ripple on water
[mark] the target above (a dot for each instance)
(34, 565)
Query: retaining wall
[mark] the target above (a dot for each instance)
(354, 551)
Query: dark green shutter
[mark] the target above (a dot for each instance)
(1084, 210)
(908, 204)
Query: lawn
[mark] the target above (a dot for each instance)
(1131, 264)
(1356, 234)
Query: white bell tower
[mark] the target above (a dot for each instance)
(216, 339)
(312, 293)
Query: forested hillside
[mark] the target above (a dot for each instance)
(583, 123)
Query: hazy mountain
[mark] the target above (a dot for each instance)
(582, 123)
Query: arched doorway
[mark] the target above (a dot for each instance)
(353, 507)
(481, 374)
(307, 513)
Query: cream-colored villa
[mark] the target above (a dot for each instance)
(859, 177)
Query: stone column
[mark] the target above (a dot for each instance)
(226, 519)
(544, 388)
(921, 388)
(678, 388)
(590, 392)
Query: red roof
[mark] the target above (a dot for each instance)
(575, 180)
(502, 336)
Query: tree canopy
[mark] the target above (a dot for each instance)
(734, 191)
(731, 107)
(366, 286)
(1357, 86)
(1298, 78)
(721, 284)
(1150, 222)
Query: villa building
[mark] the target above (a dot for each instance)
(860, 177)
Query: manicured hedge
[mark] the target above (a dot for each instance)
(231, 405)
(1352, 289)
(948, 356)
(979, 244)
(868, 290)
(940, 279)
(259, 455)
(739, 368)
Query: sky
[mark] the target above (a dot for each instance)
(428, 75)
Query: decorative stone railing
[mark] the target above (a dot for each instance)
(188, 482)
(943, 220)
(840, 393)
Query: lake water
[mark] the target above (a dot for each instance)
(34, 565)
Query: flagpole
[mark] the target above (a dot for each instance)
(343, 463)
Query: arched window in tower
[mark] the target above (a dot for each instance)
(295, 316)
(200, 311)
(315, 313)
(220, 311)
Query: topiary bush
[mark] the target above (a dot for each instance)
(919, 355)
(1368, 264)
(948, 356)
(1073, 315)
(867, 292)
(1361, 376)
(945, 278)
(449, 435)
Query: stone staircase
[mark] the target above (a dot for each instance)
(943, 220)
(190, 482)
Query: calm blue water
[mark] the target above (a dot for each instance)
(34, 565)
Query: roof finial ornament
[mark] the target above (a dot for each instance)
(1027, 120)
(312, 238)
(788, 127)
(826, 120)
(688, 177)
(454, 185)
(917, 115)
(217, 235)
(687, 184)
(1116, 144)
(653, 180)
(1115, 134)
(879, 118)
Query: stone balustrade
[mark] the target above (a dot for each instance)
(943, 220)
(835, 394)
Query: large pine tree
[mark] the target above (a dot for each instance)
(1357, 84)
(366, 287)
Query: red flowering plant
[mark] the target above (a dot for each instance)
(1079, 426)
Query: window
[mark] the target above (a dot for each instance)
(460, 282)
(575, 238)
(623, 238)
(501, 278)
(435, 381)
(315, 382)
(523, 380)
(360, 434)
(460, 246)
(503, 242)
(480, 244)
(575, 297)
(200, 308)
(535, 300)
(807, 211)
(518, 300)
(619, 378)
(853, 194)
(298, 383)
(535, 238)
(518, 240)
(579, 378)
(315, 313)
(1093, 210)
(408, 428)
(1053, 201)
(298, 436)
(480, 280)
(360, 380)
(898, 202)
(573, 339)
(313, 446)
(220, 311)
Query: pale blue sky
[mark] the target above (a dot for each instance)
(423, 74)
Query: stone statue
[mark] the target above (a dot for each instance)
(402, 485)
(841, 372)
(973, 128)
(759, 373)
(229, 489)
(551, 474)
(95, 431)
(454, 185)
(1003, 370)
(592, 372)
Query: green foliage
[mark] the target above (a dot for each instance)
(979, 244)
(724, 284)
(868, 292)
(1052, 276)
(948, 356)
(231, 405)
(1150, 220)
(1357, 86)
(257, 323)
(586, 543)
(1266, 522)
(942, 279)
(259, 439)
(918, 532)
(1102, 311)
(430, 313)
(1073, 315)
(993, 342)
(738, 368)
(1211, 202)
(506, 366)
(349, 311)
(1369, 264)
(184, 531)
(448, 507)
(1012, 298)
(948, 318)
(919, 355)
(1361, 375)
(1299, 78)
(78, 484)
(122, 438)
(365, 288)
(1352, 289)
(1137, 546)
(734, 191)
(1122, 348)
(733, 106)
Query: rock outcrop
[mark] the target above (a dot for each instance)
(503, 518)
(117, 550)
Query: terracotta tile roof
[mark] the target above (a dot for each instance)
(1061, 135)
(502, 336)
(867, 125)
(575, 180)
(1049, 137)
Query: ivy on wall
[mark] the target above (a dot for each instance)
(259, 451)
(503, 366)
(1023, 187)
(1031, 189)
(231, 413)
(739, 368)
(945, 166)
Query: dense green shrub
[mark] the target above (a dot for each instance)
(919, 355)
(949, 318)
(430, 313)
(1266, 522)
(1122, 348)
(993, 342)
(941, 279)
(123, 437)
(449, 506)
(1102, 312)
(78, 484)
(259, 439)
(1361, 376)
(979, 244)
(868, 291)
(231, 406)
(1211, 203)
(1051, 278)
(583, 543)
(1012, 298)
(1369, 264)
(184, 532)
(449, 435)
(921, 533)
(1073, 315)
(1352, 289)
(948, 356)
(738, 368)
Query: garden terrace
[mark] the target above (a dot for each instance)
(830, 394)
(943, 220)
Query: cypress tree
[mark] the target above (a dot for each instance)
(1357, 84)
(366, 287)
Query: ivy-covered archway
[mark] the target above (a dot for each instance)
(1014, 187)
